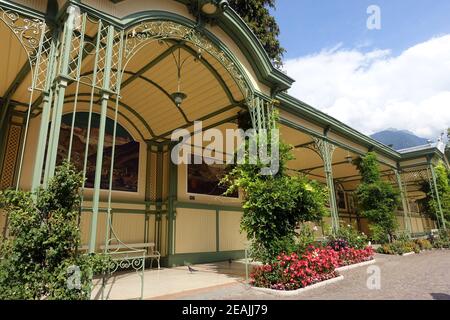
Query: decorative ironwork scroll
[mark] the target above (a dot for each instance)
(146, 32)
(32, 34)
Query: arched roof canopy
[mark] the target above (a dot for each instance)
(127, 13)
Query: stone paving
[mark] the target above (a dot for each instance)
(424, 276)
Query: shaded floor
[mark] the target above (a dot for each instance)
(166, 282)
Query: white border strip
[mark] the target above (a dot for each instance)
(299, 291)
(357, 265)
(408, 254)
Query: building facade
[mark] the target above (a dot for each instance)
(106, 83)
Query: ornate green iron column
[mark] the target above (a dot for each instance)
(326, 150)
(45, 116)
(404, 196)
(261, 112)
(105, 95)
(148, 186)
(435, 190)
(63, 80)
(171, 216)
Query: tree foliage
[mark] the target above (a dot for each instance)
(39, 258)
(257, 16)
(377, 199)
(274, 205)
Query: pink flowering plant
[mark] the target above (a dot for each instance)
(292, 272)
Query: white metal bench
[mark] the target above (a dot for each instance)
(121, 250)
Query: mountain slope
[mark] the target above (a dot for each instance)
(400, 139)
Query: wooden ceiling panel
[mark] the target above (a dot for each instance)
(13, 57)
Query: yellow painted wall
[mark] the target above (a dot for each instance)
(195, 231)
(230, 237)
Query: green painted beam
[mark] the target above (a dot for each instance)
(202, 206)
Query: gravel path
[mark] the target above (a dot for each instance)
(422, 276)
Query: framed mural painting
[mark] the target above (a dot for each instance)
(126, 158)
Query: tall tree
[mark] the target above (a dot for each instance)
(257, 15)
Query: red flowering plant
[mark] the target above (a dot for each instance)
(292, 272)
(349, 256)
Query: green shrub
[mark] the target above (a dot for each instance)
(40, 259)
(399, 248)
(378, 234)
(353, 237)
(297, 243)
(442, 241)
(304, 238)
(274, 204)
(423, 244)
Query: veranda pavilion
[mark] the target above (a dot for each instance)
(96, 80)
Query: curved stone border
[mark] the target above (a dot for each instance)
(408, 254)
(357, 265)
(299, 291)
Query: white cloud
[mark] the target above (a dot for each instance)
(372, 91)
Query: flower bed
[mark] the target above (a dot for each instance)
(349, 256)
(292, 272)
(317, 264)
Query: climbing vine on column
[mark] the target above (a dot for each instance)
(377, 199)
(431, 207)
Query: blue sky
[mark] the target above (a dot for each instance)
(396, 77)
(307, 26)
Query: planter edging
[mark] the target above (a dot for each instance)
(299, 291)
(356, 265)
(408, 254)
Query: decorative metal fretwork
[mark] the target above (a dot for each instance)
(146, 32)
(10, 158)
(422, 175)
(405, 203)
(131, 259)
(32, 35)
(326, 150)
(417, 175)
(262, 113)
